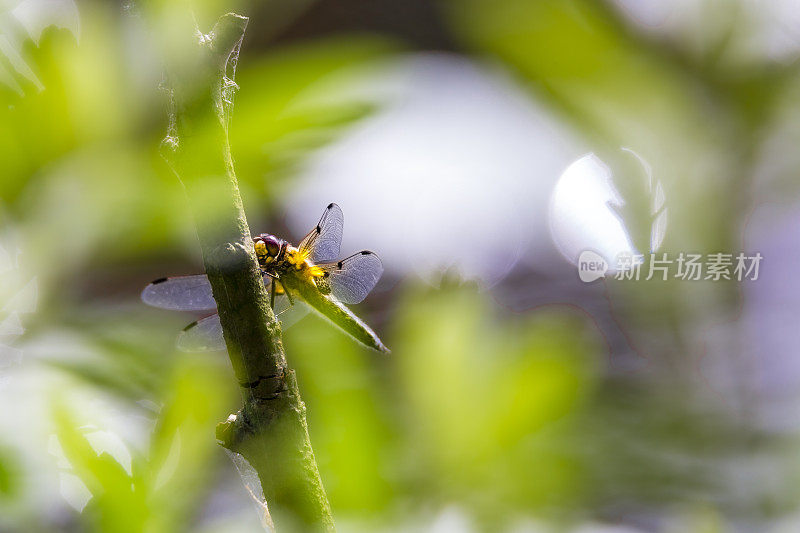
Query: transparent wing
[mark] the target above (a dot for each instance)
(252, 484)
(324, 241)
(206, 335)
(185, 293)
(289, 314)
(353, 278)
(202, 336)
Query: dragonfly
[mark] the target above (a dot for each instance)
(298, 279)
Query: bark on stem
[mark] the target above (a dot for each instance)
(270, 430)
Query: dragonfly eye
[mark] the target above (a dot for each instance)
(272, 245)
(267, 246)
(260, 247)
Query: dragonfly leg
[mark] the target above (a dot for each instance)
(272, 295)
(286, 292)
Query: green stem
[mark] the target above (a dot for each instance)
(270, 430)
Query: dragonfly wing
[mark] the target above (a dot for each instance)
(205, 335)
(352, 279)
(253, 485)
(324, 242)
(288, 313)
(202, 336)
(184, 293)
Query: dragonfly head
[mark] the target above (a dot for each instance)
(269, 248)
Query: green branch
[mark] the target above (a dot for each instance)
(270, 430)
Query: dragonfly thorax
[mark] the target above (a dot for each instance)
(277, 256)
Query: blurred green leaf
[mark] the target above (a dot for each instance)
(36, 127)
(9, 475)
(480, 393)
(296, 99)
(168, 487)
(184, 455)
(118, 500)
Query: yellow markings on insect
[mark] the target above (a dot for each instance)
(315, 272)
(301, 256)
(261, 251)
(299, 260)
(296, 258)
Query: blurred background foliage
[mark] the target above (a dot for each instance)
(515, 398)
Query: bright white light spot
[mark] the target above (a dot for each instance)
(581, 217)
(584, 212)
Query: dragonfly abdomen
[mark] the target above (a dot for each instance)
(337, 313)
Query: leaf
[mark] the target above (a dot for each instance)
(183, 451)
(486, 394)
(118, 500)
(24, 22)
(297, 99)
(9, 476)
